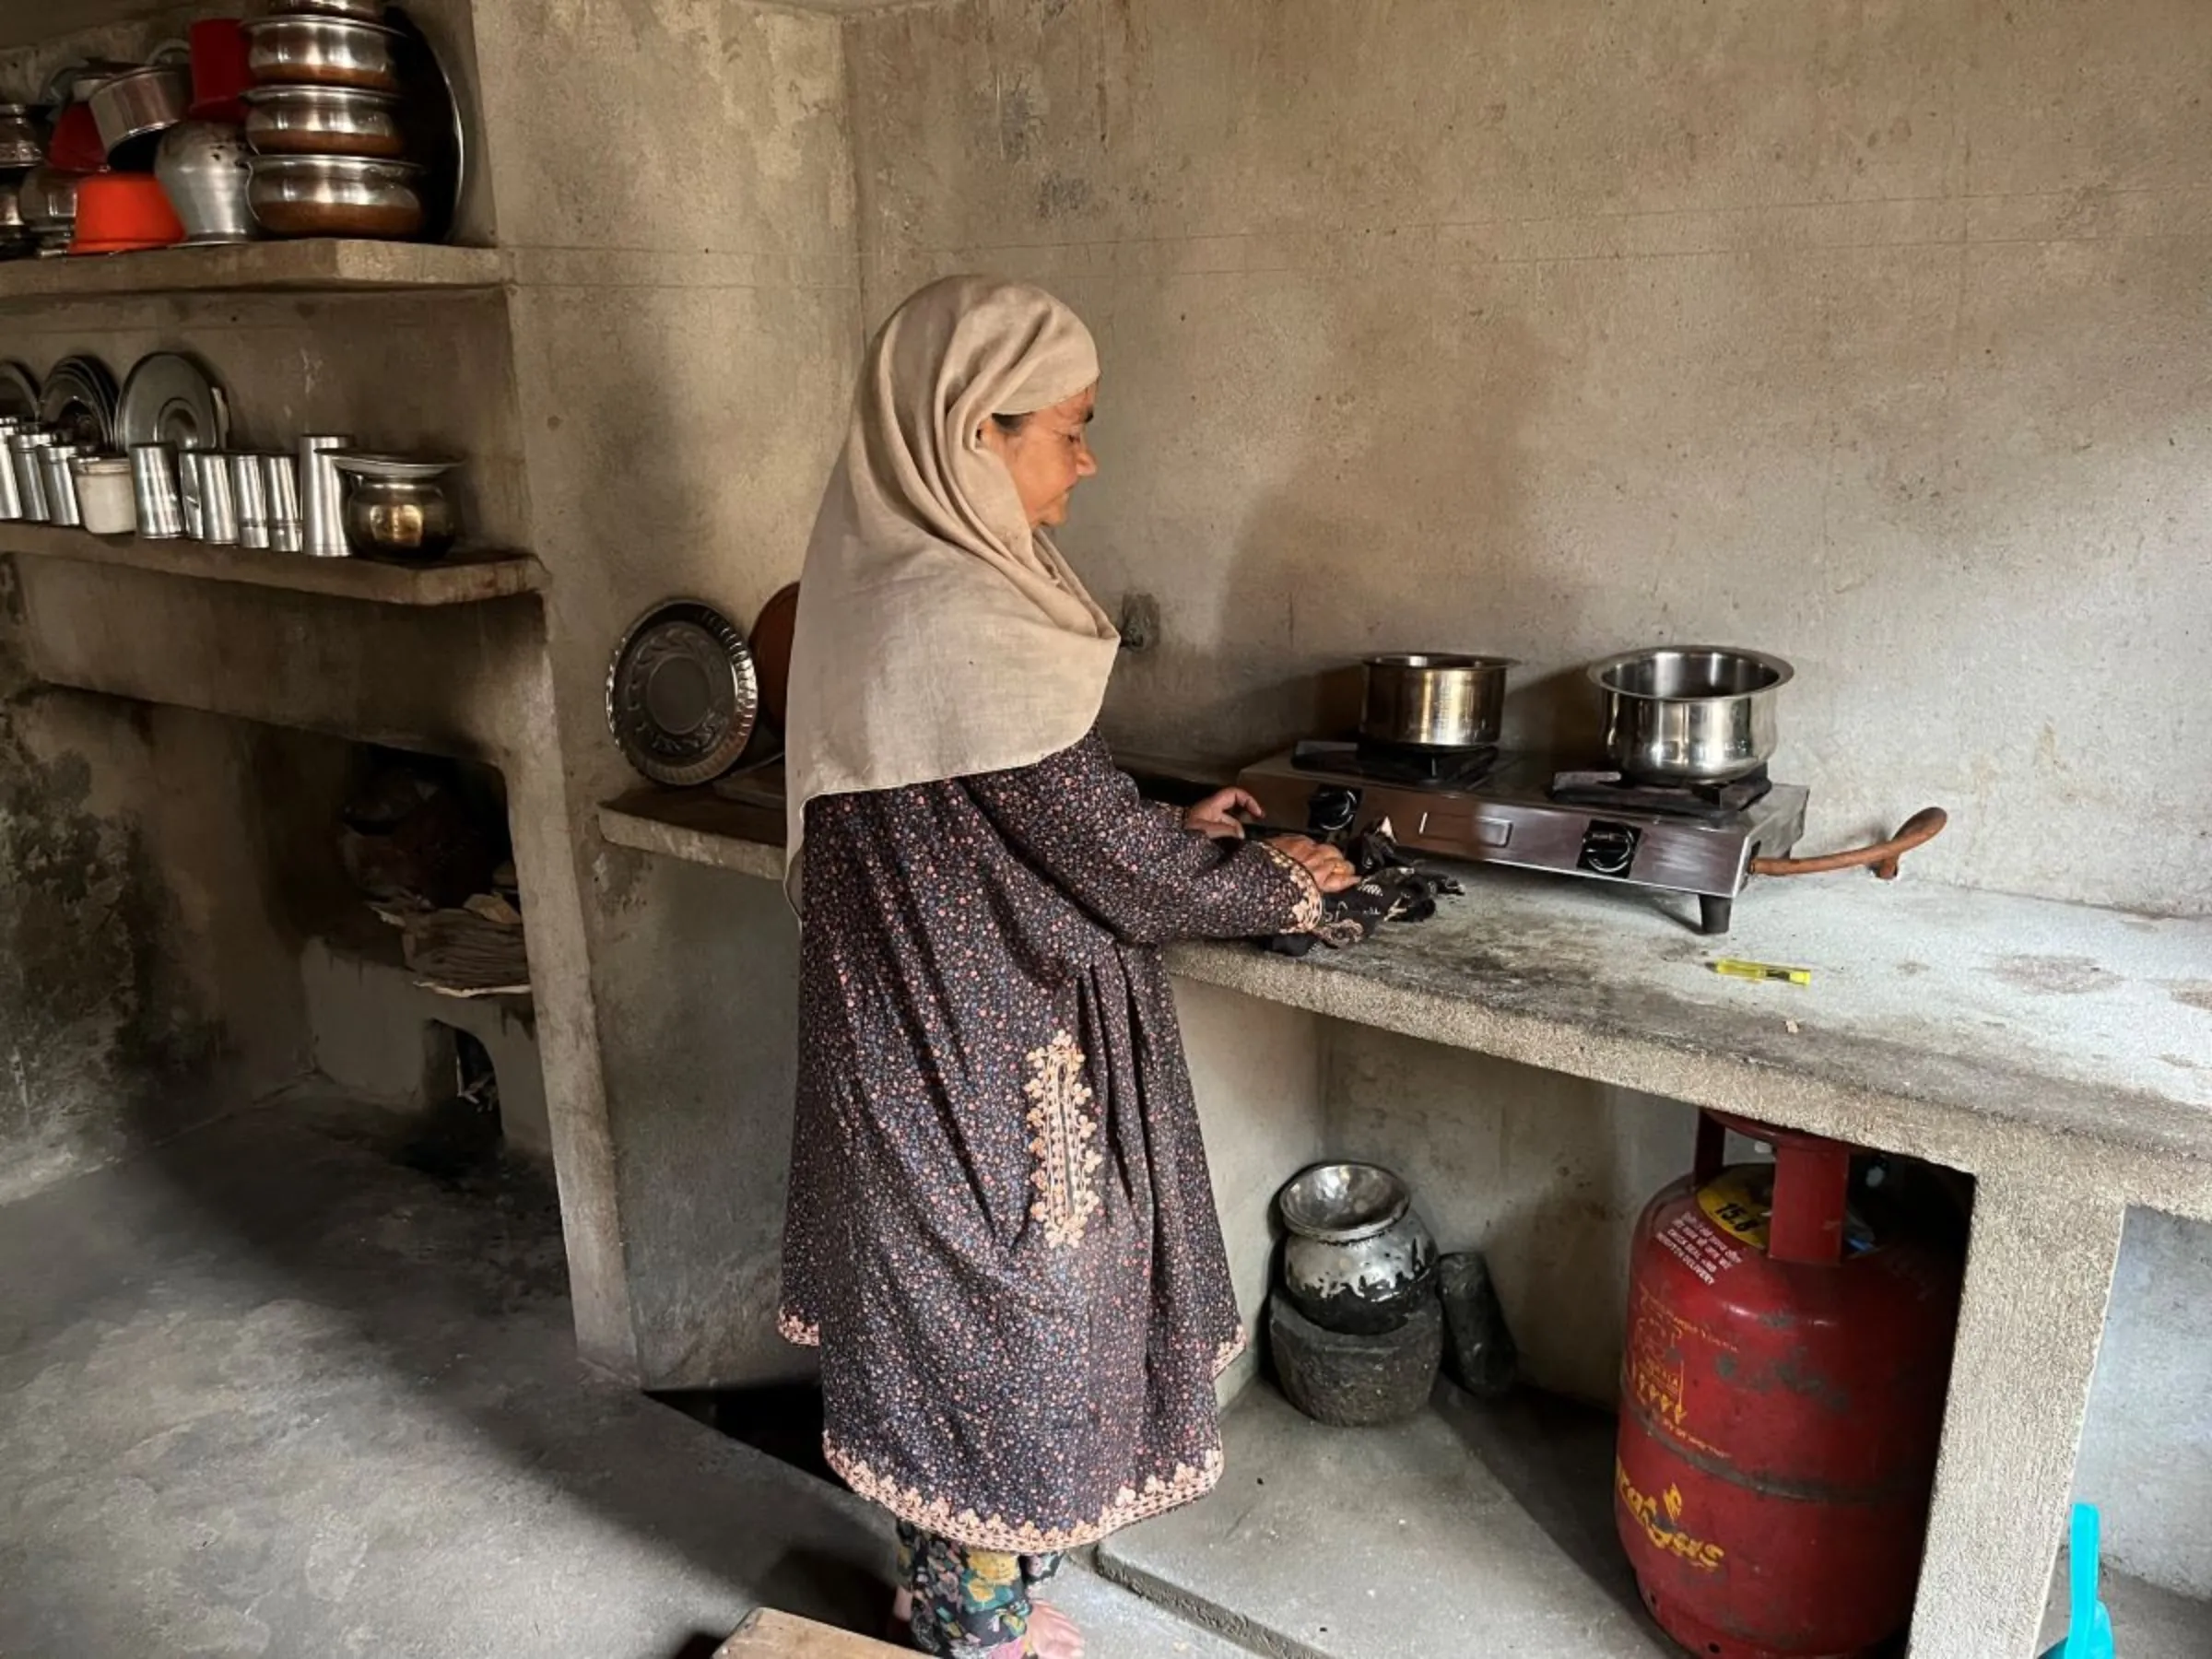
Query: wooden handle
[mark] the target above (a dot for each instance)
(1922, 827)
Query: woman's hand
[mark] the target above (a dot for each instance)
(1332, 872)
(1222, 815)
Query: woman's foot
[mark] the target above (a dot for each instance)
(1054, 1635)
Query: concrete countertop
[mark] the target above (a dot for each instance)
(1966, 1026)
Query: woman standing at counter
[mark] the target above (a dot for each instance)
(1001, 1236)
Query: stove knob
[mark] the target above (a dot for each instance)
(1332, 809)
(1609, 849)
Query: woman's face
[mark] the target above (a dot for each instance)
(1048, 457)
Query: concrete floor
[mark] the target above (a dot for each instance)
(1467, 1530)
(1501, 1516)
(269, 1391)
(272, 1389)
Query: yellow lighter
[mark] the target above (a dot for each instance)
(1762, 971)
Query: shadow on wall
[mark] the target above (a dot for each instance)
(107, 1046)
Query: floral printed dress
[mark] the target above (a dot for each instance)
(1001, 1232)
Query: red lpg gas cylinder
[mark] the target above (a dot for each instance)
(1782, 1398)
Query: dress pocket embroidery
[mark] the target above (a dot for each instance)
(1312, 907)
(1065, 1159)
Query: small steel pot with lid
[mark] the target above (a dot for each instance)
(1428, 701)
(1691, 714)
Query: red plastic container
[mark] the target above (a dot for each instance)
(120, 213)
(75, 145)
(218, 70)
(1782, 1400)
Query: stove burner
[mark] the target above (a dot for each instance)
(1388, 763)
(1705, 803)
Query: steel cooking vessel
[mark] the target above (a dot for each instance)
(1434, 701)
(1691, 714)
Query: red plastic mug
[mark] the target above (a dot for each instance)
(218, 70)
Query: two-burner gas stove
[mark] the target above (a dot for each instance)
(1490, 807)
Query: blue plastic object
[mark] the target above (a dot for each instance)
(2088, 1626)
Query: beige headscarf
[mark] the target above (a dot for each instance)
(940, 636)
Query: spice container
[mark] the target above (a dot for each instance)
(31, 472)
(61, 484)
(154, 479)
(249, 482)
(104, 498)
(219, 501)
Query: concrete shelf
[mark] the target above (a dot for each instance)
(316, 265)
(464, 578)
(1930, 1028)
(697, 827)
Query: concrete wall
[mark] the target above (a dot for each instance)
(370, 1024)
(673, 186)
(143, 985)
(1544, 1173)
(149, 978)
(2146, 1450)
(1258, 1073)
(1868, 334)
(1872, 335)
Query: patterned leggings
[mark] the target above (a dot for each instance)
(969, 1604)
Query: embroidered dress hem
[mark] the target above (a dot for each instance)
(799, 1333)
(1184, 1483)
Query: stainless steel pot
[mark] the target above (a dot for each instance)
(1691, 714)
(145, 101)
(321, 51)
(1429, 701)
(47, 200)
(22, 143)
(360, 11)
(1357, 1258)
(336, 195)
(203, 168)
(323, 121)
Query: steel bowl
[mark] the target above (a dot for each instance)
(204, 167)
(323, 121)
(1691, 714)
(336, 195)
(321, 51)
(144, 100)
(1434, 701)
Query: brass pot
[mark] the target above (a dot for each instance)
(398, 518)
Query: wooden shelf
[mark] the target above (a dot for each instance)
(313, 265)
(465, 578)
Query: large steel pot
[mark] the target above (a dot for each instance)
(1691, 714)
(1436, 703)
(1357, 1259)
